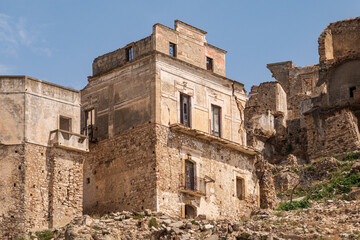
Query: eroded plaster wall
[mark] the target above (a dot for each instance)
(218, 165)
(204, 90)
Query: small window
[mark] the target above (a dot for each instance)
(209, 63)
(88, 180)
(65, 125)
(352, 89)
(185, 110)
(216, 120)
(189, 175)
(129, 54)
(240, 188)
(172, 49)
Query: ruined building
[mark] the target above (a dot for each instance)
(166, 130)
(310, 111)
(40, 155)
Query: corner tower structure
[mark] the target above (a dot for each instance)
(166, 130)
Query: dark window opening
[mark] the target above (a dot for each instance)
(89, 128)
(65, 125)
(209, 63)
(172, 49)
(129, 54)
(352, 89)
(185, 110)
(190, 211)
(240, 188)
(189, 175)
(87, 180)
(216, 120)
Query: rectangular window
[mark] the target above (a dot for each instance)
(189, 175)
(240, 188)
(65, 124)
(89, 124)
(172, 49)
(185, 110)
(129, 54)
(352, 89)
(216, 120)
(209, 63)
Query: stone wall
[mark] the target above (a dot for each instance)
(12, 184)
(332, 132)
(220, 165)
(120, 173)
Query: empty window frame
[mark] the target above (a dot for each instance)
(216, 120)
(185, 109)
(65, 125)
(89, 123)
(352, 89)
(189, 175)
(172, 49)
(240, 188)
(129, 54)
(209, 64)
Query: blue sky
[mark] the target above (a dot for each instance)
(56, 41)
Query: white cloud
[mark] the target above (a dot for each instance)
(16, 34)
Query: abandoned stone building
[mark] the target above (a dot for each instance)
(166, 130)
(310, 111)
(40, 155)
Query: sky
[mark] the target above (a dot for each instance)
(57, 40)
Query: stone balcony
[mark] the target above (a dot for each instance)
(69, 140)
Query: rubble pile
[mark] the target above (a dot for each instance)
(338, 219)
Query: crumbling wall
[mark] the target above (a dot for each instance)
(117, 58)
(120, 173)
(332, 132)
(122, 99)
(219, 165)
(12, 168)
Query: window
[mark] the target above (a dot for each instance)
(185, 110)
(129, 54)
(65, 125)
(172, 49)
(352, 89)
(189, 175)
(240, 188)
(89, 127)
(209, 64)
(216, 120)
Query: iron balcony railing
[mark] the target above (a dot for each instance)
(69, 140)
(192, 185)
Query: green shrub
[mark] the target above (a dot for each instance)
(153, 223)
(194, 222)
(45, 235)
(287, 206)
(138, 216)
(352, 156)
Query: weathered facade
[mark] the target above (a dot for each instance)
(40, 155)
(321, 101)
(167, 130)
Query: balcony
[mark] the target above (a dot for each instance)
(69, 140)
(193, 185)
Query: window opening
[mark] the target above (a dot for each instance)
(209, 63)
(172, 49)
(190, 211)
(129, 54)
(240, 188)
(216, 121)
(185, 110)
(189, 175)
(89, 127)
(65, 124)
(352, 89)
